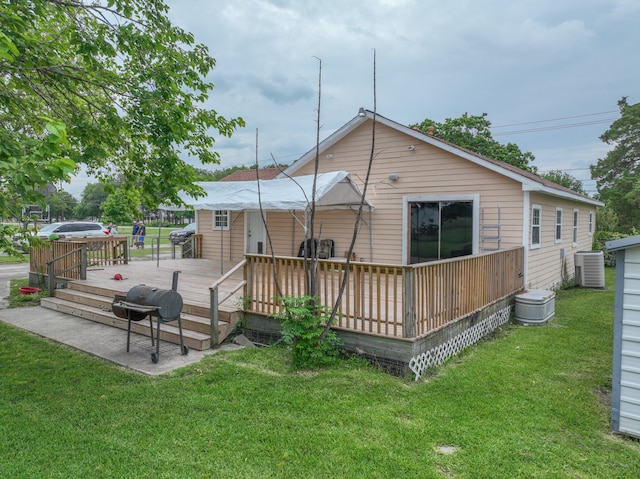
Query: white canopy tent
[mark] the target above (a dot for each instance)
(334, 190)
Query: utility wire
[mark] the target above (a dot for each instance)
(556, 127)
(555, 119)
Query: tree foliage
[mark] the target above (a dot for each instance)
(93, 196)
(617, 175)
(62, 206)
(473, 133)
(110, 85)
(565, 179)
(120, 207)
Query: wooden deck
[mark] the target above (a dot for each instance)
(196, 275)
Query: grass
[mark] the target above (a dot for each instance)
(4, 259)
(16, 299)
(531, 403)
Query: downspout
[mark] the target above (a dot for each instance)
(526, 232)
(221, 243)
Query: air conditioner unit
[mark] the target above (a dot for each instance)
(589, 269)
(535, 307)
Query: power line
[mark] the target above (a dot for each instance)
(555, 119)
(556, 127)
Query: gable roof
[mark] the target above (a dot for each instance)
(529, 181)
(334, 190)
(623, 243)
(249, 175)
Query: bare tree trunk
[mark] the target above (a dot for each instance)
(356, 226)
(266, 229)
(312, 272)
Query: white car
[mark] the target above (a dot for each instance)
(72, 229)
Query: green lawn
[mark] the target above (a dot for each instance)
(531, 403)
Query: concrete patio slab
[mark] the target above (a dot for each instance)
(103, 341)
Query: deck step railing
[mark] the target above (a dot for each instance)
(215, 300)
(66, 257)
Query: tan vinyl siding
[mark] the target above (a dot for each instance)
(228, 243)
(547, 269)
(424, 171)
(287, 233)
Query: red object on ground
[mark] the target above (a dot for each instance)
(117, 276)
(29, 290)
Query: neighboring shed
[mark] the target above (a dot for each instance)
(625, 401)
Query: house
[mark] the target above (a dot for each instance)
(426, 200)
(250, 175)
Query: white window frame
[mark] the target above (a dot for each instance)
(590, 223)
(535, 208)
(558, 228)
(220, 220)
(574, 241)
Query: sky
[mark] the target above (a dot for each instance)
(547, 73)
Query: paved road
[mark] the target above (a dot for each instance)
(7, 273)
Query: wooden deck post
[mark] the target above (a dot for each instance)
(409, 323)
(248, 277)
(83, 261)
(214, 317)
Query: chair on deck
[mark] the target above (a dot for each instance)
(308, 248)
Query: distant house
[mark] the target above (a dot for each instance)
(250, 175)
(426, 200)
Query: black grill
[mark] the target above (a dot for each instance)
(142, 301)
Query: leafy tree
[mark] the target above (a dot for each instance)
(93, 196)
(617, 175)
(62, 205)
(473, 133)
(111, 85)
(565, 179)
(207, 175)
(120, 207)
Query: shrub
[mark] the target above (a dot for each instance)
(599, 240)
(302, 325)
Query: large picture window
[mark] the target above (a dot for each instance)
(440, 230)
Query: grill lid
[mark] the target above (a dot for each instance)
(168, 301)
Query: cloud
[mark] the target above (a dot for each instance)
(518, 61)
(280, 89)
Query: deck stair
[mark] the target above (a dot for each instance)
(94, 303)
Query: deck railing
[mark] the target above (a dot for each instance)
(391, 300)
(101, 251)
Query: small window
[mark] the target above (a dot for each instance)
(221, 220)
(558, 225)
(536, 215)
(590, 222)
(575, 227)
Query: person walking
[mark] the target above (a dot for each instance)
(142, 231)
(134, 233)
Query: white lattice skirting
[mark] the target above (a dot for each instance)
(438, 355)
